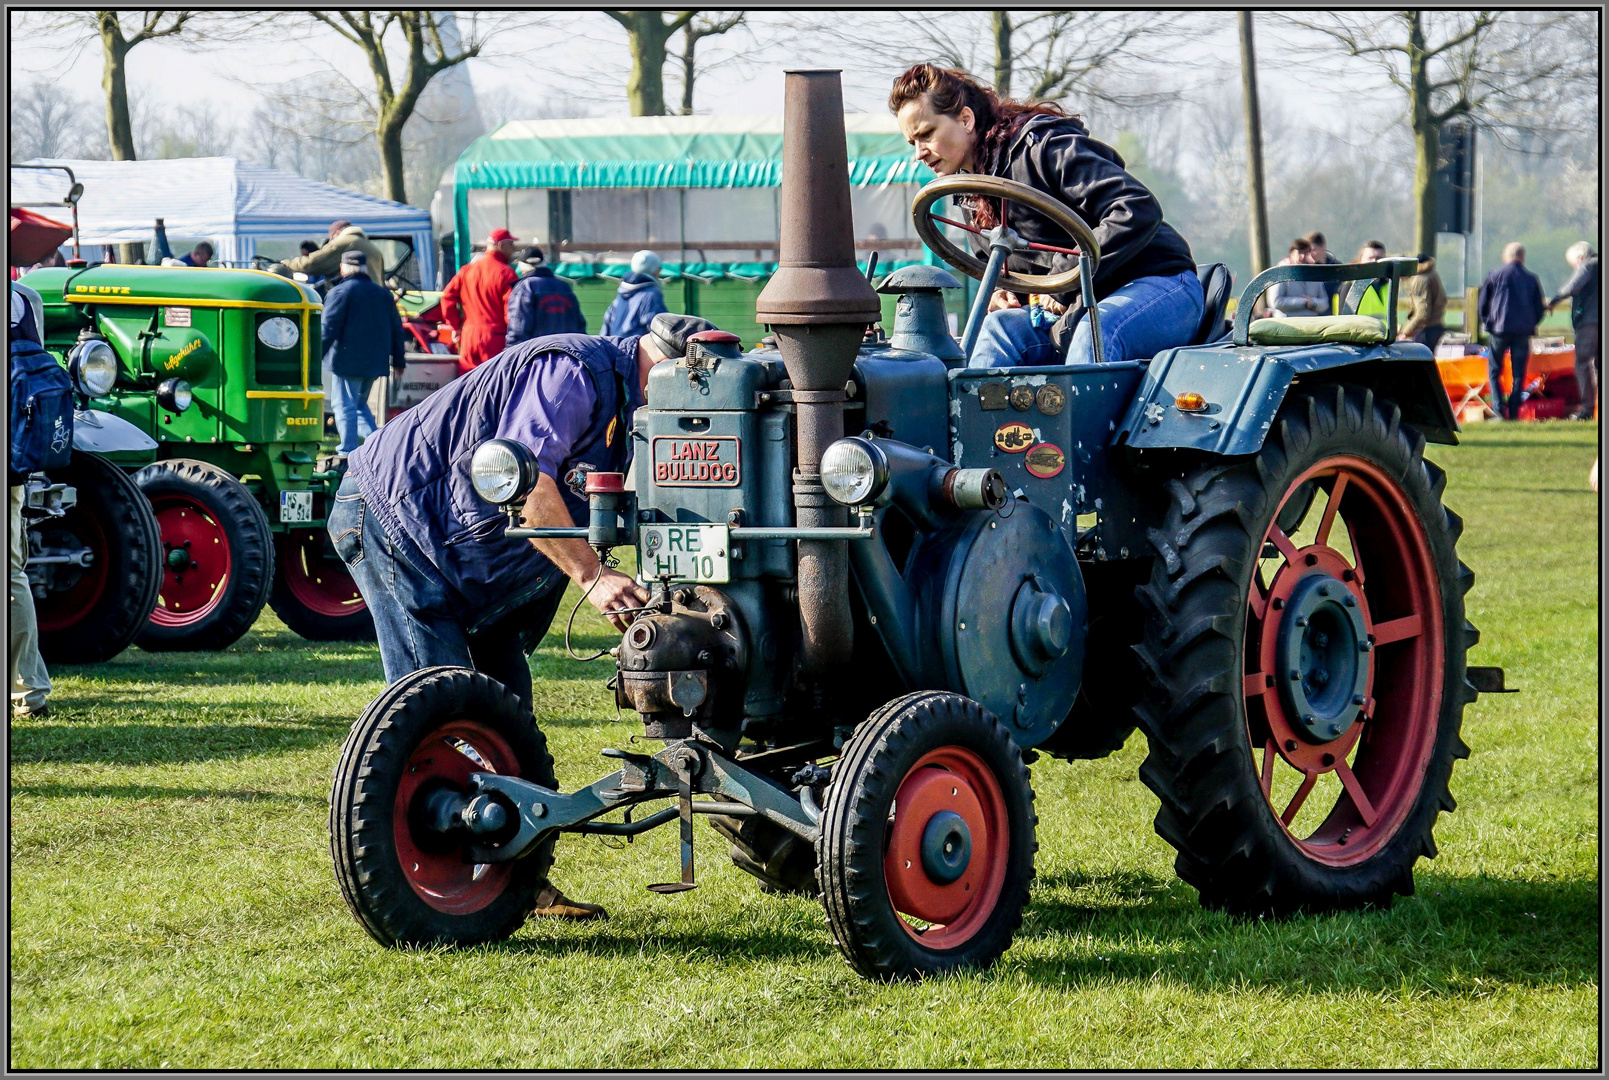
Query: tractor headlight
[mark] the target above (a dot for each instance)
(279, 333)
(174, 395)
(92, 366)
(854, 471)
(503, 471)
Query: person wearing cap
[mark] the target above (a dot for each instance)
(475, 302)
(443, 582)
(542, 303)
(326, 261)
(639, 298)
(361, 331)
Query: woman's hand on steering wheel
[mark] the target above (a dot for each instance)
(1004, 191)
(1002, 300)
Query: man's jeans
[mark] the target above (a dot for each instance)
(1586, 367)
(30, 682)
(350, 401)
(411, 609)
(1139, 320)
(1518, 346)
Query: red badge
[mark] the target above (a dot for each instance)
(1045, 460)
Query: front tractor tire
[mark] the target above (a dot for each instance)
(91, 613)
(926, 848)
(408, 882)
(217, 556)
(1304, 653)
(314, 593)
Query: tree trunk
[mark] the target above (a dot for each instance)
(389, 134)
(119, 128)
(646, 33)
(1426, 138)
(1256, 193)
(689, 49)
(1000, 21)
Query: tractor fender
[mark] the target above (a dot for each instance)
(102, 433)
(1243, 388)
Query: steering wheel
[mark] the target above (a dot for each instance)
(1005, 191)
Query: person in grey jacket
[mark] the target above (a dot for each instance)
(1290, 298)
(1582, 292)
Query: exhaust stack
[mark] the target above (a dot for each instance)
(818, 305)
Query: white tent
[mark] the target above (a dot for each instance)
(227, 201)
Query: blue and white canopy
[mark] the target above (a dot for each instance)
(229, 202)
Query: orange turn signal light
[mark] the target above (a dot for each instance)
(1190, 401)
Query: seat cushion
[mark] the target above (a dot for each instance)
(1319, 330)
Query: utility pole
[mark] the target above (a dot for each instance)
(1254, 148)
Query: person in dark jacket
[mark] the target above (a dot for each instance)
(1146, 285)
(638, 300)
(1582, 292)
(1511, 305)
(361, 331)
(542, 303)
(444, 584)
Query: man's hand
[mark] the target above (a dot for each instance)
(1001, 300)
(615, 592)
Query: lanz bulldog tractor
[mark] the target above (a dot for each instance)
(221, 369)
(855, 645)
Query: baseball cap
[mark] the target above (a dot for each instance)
(671, 331)
(497, 236)
(354, 258)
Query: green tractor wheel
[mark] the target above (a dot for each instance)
(217, 556)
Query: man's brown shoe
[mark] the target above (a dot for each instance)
(550, 902)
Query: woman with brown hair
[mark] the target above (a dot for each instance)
(1145, 286)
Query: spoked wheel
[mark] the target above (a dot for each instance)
(217, 556)
(100, 596)
(1322, 575)
(927, 839)
(397, 834)
(314, 593)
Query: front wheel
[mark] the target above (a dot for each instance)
(314, 593)
(1304, 651)
(926, 847)
(217, 556)
(399, 863)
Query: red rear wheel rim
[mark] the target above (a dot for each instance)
(448, 755)
(946, 915)
(195, 561)
(322, 586)
(1380, 760)
(66, 609)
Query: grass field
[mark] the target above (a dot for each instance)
(173, 905)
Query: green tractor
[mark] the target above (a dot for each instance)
(222, 369)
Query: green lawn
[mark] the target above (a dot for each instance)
(173, 905)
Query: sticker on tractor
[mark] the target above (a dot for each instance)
(1022, 398)
(1052, 399)
(1014, 438)
(992, 396)
(1045, 460)
(176, 316)
(716, 461)
(295, 506)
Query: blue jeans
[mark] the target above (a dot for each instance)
(412, 611)
(353, 420)
(1139, 320)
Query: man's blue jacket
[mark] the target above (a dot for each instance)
(634, 306)
(1511, 300)
(361, 329)
(543, 303)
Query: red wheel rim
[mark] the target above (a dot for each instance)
(956, 780)
(1375, 769)
(195, 561)
(66, 609)
(322, 586)
(448, 755)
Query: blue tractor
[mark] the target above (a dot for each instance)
(884, 584)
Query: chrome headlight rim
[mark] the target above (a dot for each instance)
(279, 333)
(92, 366)
(854, 471)
(175, 395)
(503, 472)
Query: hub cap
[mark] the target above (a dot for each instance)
(948, 847)
(195, 562)
(1344, 662)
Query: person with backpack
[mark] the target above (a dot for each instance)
(41, 438)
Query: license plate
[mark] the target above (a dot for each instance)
(685, 553)
(713, 461)
(295, 506)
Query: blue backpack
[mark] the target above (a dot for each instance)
(41, 411)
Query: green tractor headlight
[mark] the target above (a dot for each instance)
(279, 333)
(174, 395)
(92, 365)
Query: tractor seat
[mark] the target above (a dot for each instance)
(1318, 330)
(1216, 283)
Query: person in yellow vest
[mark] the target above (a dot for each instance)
(1373, 299)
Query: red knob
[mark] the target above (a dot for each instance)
(606, 483)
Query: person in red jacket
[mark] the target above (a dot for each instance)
(475, 302)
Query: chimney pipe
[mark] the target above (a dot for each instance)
(818, 306)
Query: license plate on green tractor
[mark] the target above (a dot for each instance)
(696, 553)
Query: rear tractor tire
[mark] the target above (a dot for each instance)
(217, 556)
(1304, 655)
(314, 593)
(92, 613)
(927, 845)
